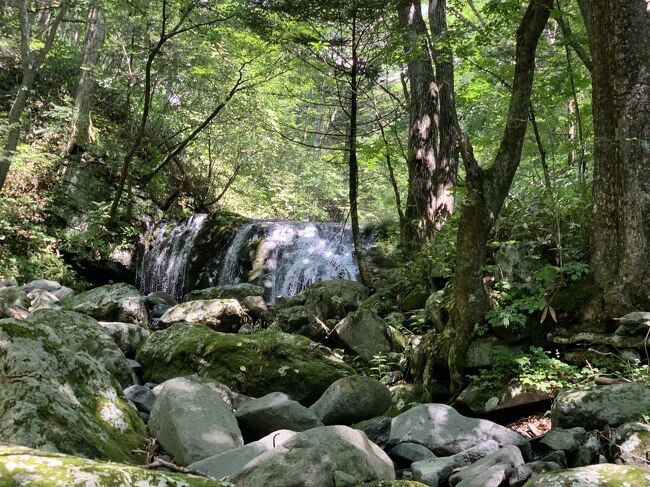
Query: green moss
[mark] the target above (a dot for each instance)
(603, 475)
(255, 365)
(21, 466)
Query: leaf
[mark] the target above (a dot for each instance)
(544, 313)
(553, 315)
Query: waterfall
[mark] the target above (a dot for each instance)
(163, 264)
(282, 256)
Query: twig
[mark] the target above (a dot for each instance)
(174, 468)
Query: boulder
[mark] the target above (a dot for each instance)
(634, 324)
(24, 467)
(260, 417)
(63, 293)
(225, 315)
(127, 336)
(231, 462)
(445, 432)
(141, 396)
(40, 299)
(479, 401)
(632, 444)
(84, 334)
(254, 306)
(436, 471)
(227, 291)
(113, 302)
(393, 483)
(192, 422)
(376, 429)
(568, 440)
(490, 471)
(162, 297)
(364, 332)
(434, 309)
(404, 397)
(56, 397)
(312, 458)
(255, 365)
(325, 302)
(405, 454)
(13, 302)
(598, 406)
(43, 285)
(604, 475)
(352, 399)
(481, 351)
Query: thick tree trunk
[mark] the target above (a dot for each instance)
(93, 42)
(620, 43)
(487, 190)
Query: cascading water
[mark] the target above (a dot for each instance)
(282, 256)
(164, 263)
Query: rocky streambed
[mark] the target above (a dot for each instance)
(111, 387)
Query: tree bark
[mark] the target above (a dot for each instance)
(620, 241)
(93, 42)
(486, 192)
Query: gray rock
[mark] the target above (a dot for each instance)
(136, 368)
(260, 417)
(520, 475)
(159, 310)
(364, 332)
(84, 334)
(445, 432)
(231, 462)
(311, 458)
(481, 351)
(568, 440)
(405, 454)
(632, 444)
(227, 291)
(13, 302)
(480, 401)
(377, 429)
(254, 305)
(539, 466)
(597, 406)
(587, 453)
(605, 475)
(167, 298)
(225, 315)
(41, 299)
(63, 293)
(352, 399)
(490, 471)
(141, 396)
(127, 336)
(634, 324)
(42, 284)
(438, 470)
(113, 302)
(558, 457)
(224, 392)
(192, 422)
(434, 307)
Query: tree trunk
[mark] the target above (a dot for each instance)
(93, 42)
(620, 43)
(486, 192)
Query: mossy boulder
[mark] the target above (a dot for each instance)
(113, 302)
(20, 466)
(220, 314)
(85, 334)
(603, 475)
(228, 291)
(255, 365)
(58, 398)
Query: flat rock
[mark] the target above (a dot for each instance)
(260, 417)
(225, 315)
(352, 399)
(42, 284)
(634, 324)
(192, 422)
(603, 475)
(311, 459)
(227, 291)
(445, 432)
(598, 406)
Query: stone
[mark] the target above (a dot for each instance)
(557, 457)
(393, 483)
(56, 397)
(255, 365)
(634, 324)
(445, 432)
(227, 291)
(162, 297)
(604, 475)
(481, 351)
(231, 462)
(24, 467)
(377, 429)
(587, 453)
(561, 337)
(437, 471)
(63, 293)
(127, 336)
(434, 309)
(13, 302)
(324, 302)
(568, 440)
(41, 299)
(192, 422)
(352, 399)
(632, 444)
(414, 299)
(404, 397)
(479, 401)
(158, 310)
(364, 332)
(254, 306)
(516, 263)
(84, 334)
(141, 396)
(404, 454)
(136, 368)
(260, 417)
(491, 470)
(225, 315)
(43, 285)
(598, 406)
(311, 458)
(520, 475)
(113, 302)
